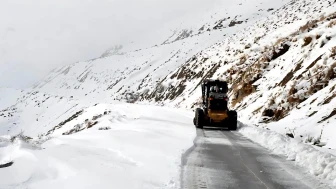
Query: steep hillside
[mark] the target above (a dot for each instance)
(279, 59)
(125, 72)
(124, 69)
(281, 71)
(145, 67)
(35, 113)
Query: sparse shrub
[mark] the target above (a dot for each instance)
(279, 41)
(322, 44)
(278, 114)
(333, 52)
(60, 125)
(256, 39)
(328, 99)
(248, 46)
(317, 87)
(309, 139)
(243, 59)
(234, 22)
(331, 16)
(290, 135)
(268, 113)
(313, 113)
(293, 100)
(197, 103)
(308, 26)
(290, 132)
(240, 93)
(91, 124)
(281, 51)
(292, 90)
(323, 17)
(96, 117)
(160, 88)
(287, 78)
(21, 136)
(104, 128)
(272, 101)
(333, 113)
(75, 129)
(131, 97)
(332, 24)
(43, 140)
(257, 110)
(331, 74)
(307, 41)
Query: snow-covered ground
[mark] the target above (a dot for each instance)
(318, 163)
(141, 148)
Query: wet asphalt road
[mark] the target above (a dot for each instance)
(224, 159)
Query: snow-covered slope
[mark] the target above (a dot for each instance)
(278, 57)
(119, 148)
(35, 113)
(123, 73)
(281, 71)
(281, 68)
(146, 66)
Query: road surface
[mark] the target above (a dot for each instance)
(224, 159)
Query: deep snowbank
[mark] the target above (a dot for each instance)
(141, 148)
(318, 163)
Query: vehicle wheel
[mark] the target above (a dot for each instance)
(199, 116)
(194, 121)
(232, 120)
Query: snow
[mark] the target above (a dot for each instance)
(318, 163)
(142, 149)
(164, 67)
(305, 111)
(58, 38)
(133, 72)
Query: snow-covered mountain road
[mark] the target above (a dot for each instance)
(109, 145)
(224, 159)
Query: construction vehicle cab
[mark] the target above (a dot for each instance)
(214, 111)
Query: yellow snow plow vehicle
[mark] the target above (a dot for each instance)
(214, 111)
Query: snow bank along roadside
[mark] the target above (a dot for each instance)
(320, 164)
(105, 146)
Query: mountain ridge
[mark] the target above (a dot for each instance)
(259, 59)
